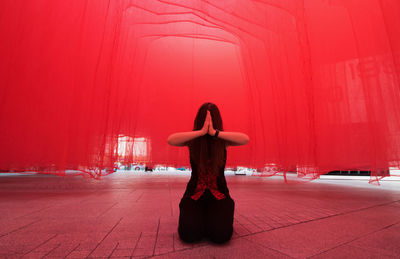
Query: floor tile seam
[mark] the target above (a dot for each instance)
(140, 196)
(242, 225)
(370, 207)
(176, 251)
(261, 220)
(356, 238)
(31, 199)
(287, 217)
(109, 208)
(274, 219)
(395, 205)
(371, 250)
(73, 202)
(234, 232)
(183, 249)
(170, 199)
(73, 249)
(317, 219)
(173, 241)
(250, 221)
(133, 190)
(36, 211)
(272, 249)
(89, 198)
(136, 244)
(49, 252)
(107, 234)
(19, 228)
(36, 247)
(115, 248)
(155, 241)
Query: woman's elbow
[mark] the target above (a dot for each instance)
(246, 140)
(173, 142)
(169, 141)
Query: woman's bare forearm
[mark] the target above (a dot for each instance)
(178, 139)
(237, 138)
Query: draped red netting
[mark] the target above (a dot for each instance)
(90, 85)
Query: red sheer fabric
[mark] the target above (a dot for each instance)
(89, 85)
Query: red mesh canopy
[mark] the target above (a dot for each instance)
(87, 85)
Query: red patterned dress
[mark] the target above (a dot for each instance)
(207, 180)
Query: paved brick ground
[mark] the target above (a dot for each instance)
(129, 215)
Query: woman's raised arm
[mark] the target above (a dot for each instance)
(233, 138)
(180, 138)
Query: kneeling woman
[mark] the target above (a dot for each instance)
(206, 208)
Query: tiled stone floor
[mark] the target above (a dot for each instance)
(129, 215)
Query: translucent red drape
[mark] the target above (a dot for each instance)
(86, 85)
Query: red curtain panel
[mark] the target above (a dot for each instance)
(90, 85)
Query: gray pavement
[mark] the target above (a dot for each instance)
(135, 215)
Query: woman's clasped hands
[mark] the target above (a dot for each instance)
(208, 126)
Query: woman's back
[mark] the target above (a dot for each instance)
(219, 177)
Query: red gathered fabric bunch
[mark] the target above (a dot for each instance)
(207, 180)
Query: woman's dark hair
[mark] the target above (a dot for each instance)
(207, 147)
